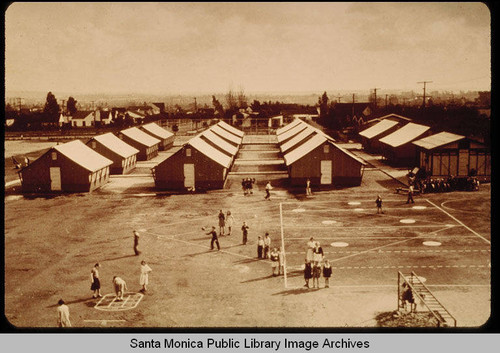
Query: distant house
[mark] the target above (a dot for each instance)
(145, 143)
(124, 156)
(70, 167)
(166, 137)
(105, 117)
(446, 154)
(137, 116)
(83, 118)
(361, 111)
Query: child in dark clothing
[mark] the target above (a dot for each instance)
(327, 273)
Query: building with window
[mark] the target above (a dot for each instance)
(70, 167)
(166, 137)
(145, 143)
(124, 156)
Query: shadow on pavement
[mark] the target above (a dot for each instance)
(296, 291)
(257, 279)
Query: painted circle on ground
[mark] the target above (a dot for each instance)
(407, 220)
(339, 244)
(243, 268)
(299, 210)
(353, 203)
(358, 209)
(329, 222)
(419, 207)
(431, 243)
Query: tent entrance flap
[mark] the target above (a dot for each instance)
(55, 178)
(326, 172)
(189, 175)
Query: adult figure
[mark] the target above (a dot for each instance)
(144, 278)
(215, 239)
(222, 222)
(310, 248)
(120, 287)
(95, 282)
(318, 252)
(136, 243)
(229, 222)
(63, 314)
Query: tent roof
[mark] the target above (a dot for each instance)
(230, 128)
(83, 155)
(378, 128)
(140, 136)
(291, 132)
(433, 141)
(209, 151)
(404, 135)
(116, 145)
(297, 139)
(226, 134)
(288, 127)
(220, 142)
(157, 130)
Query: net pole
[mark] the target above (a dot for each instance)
(283, 246)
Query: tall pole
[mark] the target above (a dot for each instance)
(353, 100)
(375, 94)
(283, 246)
(424, 82)
(386, 100)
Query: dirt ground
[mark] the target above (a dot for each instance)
(51, 244)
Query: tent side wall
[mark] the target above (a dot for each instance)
(346, 171)
(74, 178)
(169, 175)
(120, 165)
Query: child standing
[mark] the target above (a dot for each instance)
(229, 222)
(378, 201)
(260, 247)
(267, 245)
(316, 270)
(222, 222)
(327, 273)
(244, 229)
(274, 256)
(307, 272)
(144, 279)
(95, 282)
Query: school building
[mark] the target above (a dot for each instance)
(124, 156)
(446, 154)
(69, 167)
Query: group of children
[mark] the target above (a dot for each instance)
(315, 264)
(225, 220)
(247, 185)
(120, 286)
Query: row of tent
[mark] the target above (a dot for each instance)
(311, 154)
(78, 167)
(201, 163)
(439, 155)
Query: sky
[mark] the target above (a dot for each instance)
(176, 48)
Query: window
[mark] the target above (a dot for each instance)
(326, 148)
(54, 156)
(188, 152)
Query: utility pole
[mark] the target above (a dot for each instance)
(195, 105)
(339, 98)
(375, 94)
(424, 82)
(353, 101)
(19, 100)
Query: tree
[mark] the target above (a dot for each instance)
(217, 106)
(323, 105)
(51, 108)
(231, 100)
(71, 107)
(242, 99)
